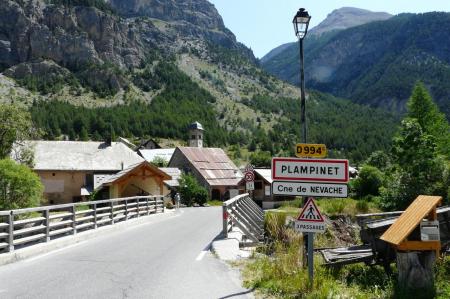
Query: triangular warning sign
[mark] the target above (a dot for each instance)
(310, 212)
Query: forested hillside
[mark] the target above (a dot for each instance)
(376, 63)
(88, 70)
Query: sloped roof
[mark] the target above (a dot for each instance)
(175, 173)
(151, 154)
(113, 178)
(265, 173)
(261, 173)
(82, 155)
(196, 125)
(213, 164)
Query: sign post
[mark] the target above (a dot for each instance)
(310, 177)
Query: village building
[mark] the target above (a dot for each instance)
(149, 144)
(157, 155)
(212, 168)
(262, 194)
(71, 170)
(140, 179)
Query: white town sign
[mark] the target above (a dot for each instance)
(309, 189)
(310, 170)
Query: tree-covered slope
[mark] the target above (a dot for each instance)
(376, 63)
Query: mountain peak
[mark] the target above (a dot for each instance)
(346, 17)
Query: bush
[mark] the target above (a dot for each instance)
(191, 192)
(20, 187)
(169, 205)
(368, 182)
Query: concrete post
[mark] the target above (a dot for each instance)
(162, 199)
(126, 209)
(148, 206)
(156, 205)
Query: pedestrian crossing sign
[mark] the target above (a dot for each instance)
(310, 219)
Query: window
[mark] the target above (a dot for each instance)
(258, 185)
(200, 137)
(193, 137)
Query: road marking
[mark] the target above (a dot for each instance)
(201, 255)
(52, 252)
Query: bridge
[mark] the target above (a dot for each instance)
(167, 256)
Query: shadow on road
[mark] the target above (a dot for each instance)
(238, 294)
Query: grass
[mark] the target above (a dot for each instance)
(215, 203)
(333, 207)
(276, 271)
(281, 275)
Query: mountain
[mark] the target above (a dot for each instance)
(338, 19)
(347, 17)
(377, 63)
(89, 69)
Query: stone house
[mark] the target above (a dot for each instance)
(212, 168)
(71, 170)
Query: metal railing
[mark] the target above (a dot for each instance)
(24, 227)
(242, 212)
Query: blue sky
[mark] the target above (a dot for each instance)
(265, 24)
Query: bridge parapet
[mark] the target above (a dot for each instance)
(25, 227)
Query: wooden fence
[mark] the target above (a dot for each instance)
(24, 227)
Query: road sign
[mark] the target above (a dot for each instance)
(250, 185)
(249, 176)
(310, 170)
(310, 220)
(309, 189)
(305, 150)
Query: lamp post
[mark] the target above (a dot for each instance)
(301, 23)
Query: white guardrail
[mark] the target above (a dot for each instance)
(25, 227)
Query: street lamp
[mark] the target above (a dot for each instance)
(301, 23)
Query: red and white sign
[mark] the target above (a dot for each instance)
(249, 176)
(310, 220)
(310, 170)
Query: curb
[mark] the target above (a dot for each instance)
(46, 247)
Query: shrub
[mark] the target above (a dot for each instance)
(191, 192)
(368, 182)
(20, 187)
(169, 205)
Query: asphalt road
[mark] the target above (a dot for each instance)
(167, 257)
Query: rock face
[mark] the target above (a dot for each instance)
(70, 36)
(77, 37)
(347, 17)
(189, 18)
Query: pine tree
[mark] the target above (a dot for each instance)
(422, 108)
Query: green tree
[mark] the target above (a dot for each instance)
(15, 126)
(191, 192)
(261, 159)
(431, 120)
(379, 159)
(368, 182)
(159, 162)
(418, 168)
(20, 187)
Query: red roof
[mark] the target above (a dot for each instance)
(214, 165)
